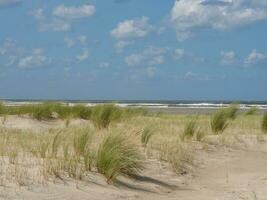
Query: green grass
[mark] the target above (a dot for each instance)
(118, 155)
(190, 128)
(103, 115)
(146, 135)
(219, 121)
(252, 111)
(264, 124)
(231, 110)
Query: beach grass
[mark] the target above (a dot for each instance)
(114, 142)
(264, 124)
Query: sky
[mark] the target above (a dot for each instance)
(133, 49)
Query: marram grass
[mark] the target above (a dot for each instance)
(118, 155)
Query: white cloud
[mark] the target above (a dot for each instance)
(121, 45)
(134, 59)
(189, 15)
(82, 39)
(9, 3)
(71, 42)
(255, 57)
(21, 57)
(228, 57)
(104, 65)
(57, 25)
(179, 53)
(74, 12)
(150, 56)
(83, 56)
(129, 29)
(35, 59)
(62, 17)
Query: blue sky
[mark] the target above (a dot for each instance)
(133, 49)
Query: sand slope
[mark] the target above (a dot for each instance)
(222, 174)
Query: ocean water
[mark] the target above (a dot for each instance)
(149, 103)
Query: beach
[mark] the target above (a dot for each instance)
(37, 154)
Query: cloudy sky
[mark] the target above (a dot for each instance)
(133, 49)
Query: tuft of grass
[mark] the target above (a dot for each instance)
(200, 134)
(264, 124)
(118, 155)
(231, 110)
(82, 112)
(82, 139)
(1, 108)
(219, 121)
(103, 115)
(190, 128)
(252, 111)
(146, 135)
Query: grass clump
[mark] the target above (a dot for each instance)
(252, 111)
(103, 115)
(219, 121)
(118, 155)
(264, 124)
(1, 108)
(231, 111)
(146, 135)
(190, 129)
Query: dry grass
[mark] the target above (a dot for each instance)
(28, 157)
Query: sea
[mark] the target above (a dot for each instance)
(262, 105)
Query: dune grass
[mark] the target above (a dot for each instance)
(146, 135)
(103, 115)
(190, 129)
(264, 124)
(219, 121)
(252, 111)
(231, 111)
(117, 147)
(118, 155)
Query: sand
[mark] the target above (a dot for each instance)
(220, 173)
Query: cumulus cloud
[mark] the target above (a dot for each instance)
(80, 40)
(121, 45)
(150, 56)
(83, 56)
(228, 57)
(21, 57)
(179, 53)
(62, 17)
(135, 28)
(74, 12)
(255, 57)
(35, 59)
(187, 16)
(9, 3)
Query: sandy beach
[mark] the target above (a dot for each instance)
(230, 166)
